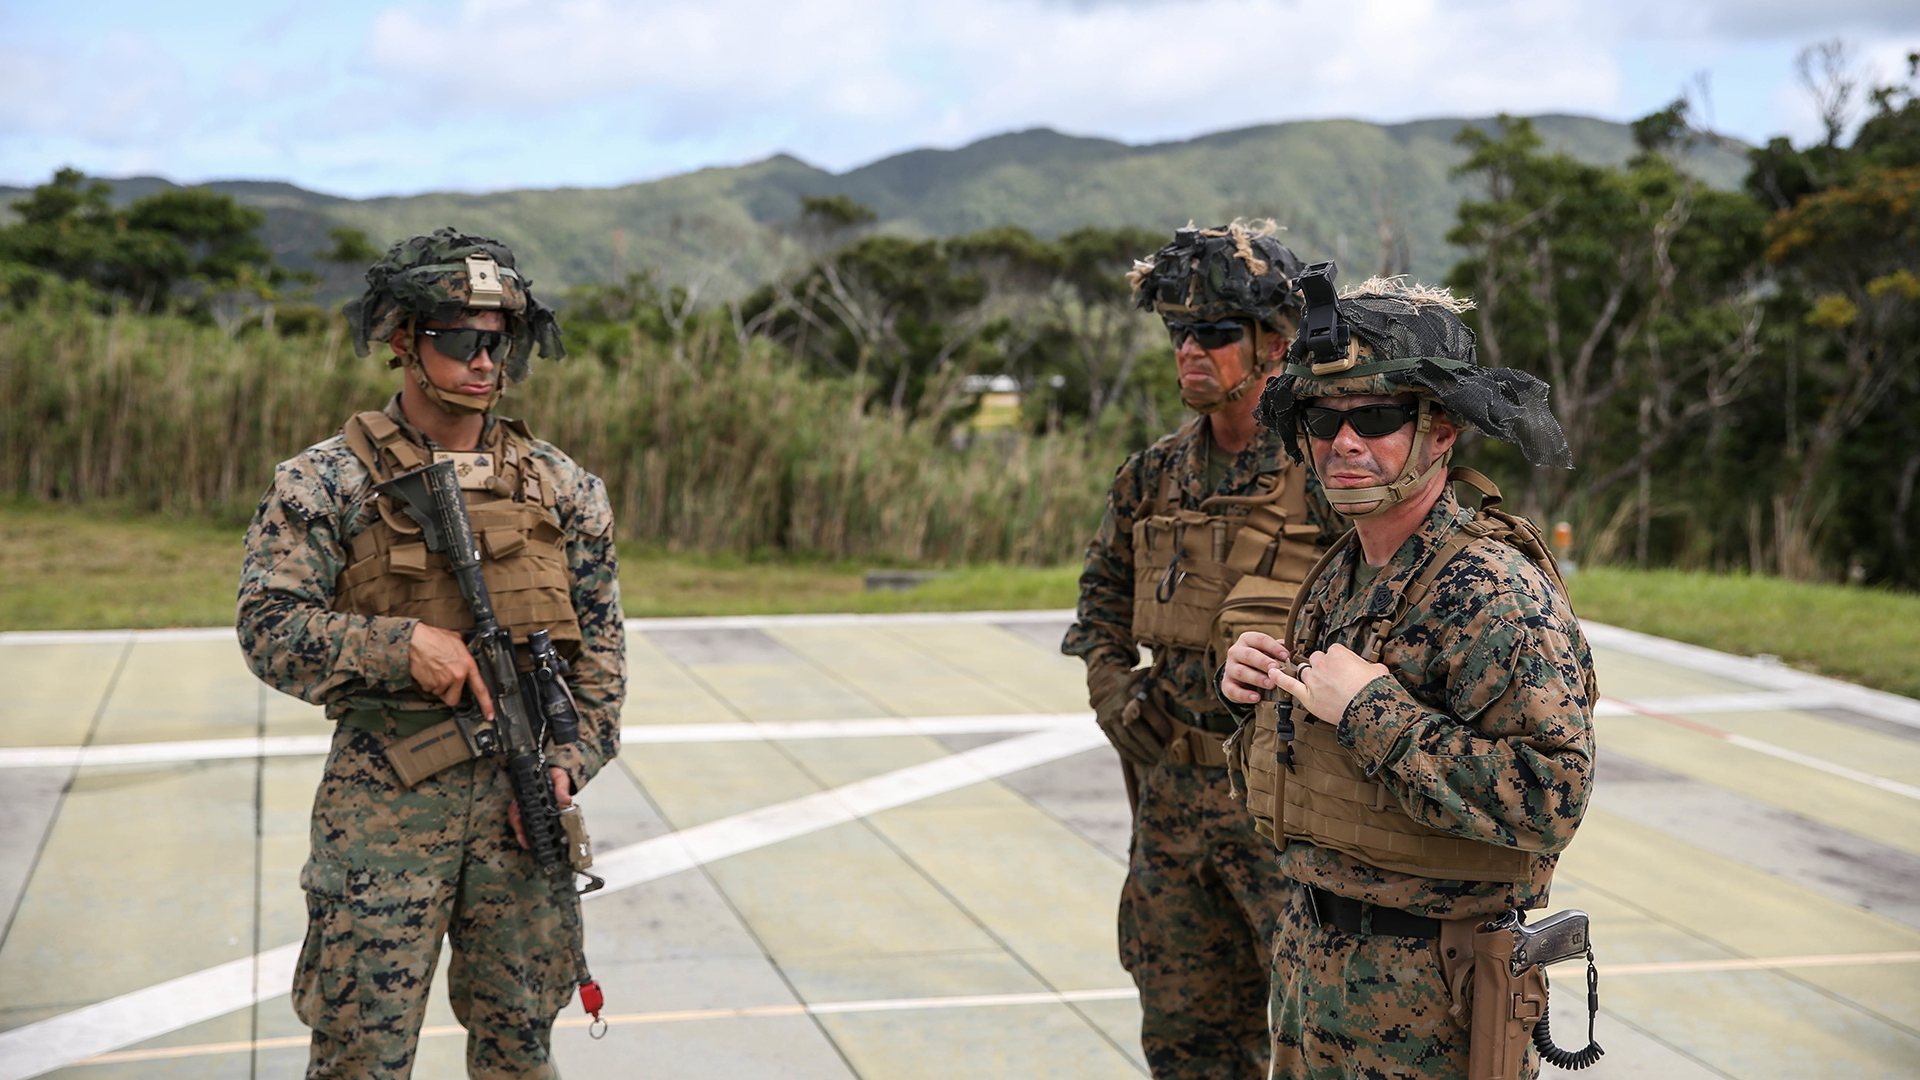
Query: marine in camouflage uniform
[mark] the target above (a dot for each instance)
(394, 868)
(1202, 895)
(1459, 767)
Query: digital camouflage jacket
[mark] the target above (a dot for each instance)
(297, 643)
(1484, 729)
(1102, 630)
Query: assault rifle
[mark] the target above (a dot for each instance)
(523, 712)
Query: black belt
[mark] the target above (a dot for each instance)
(1359, 917)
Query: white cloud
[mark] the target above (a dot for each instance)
(599, 91)
(123, 91)
(1798, 20)
(856, 78)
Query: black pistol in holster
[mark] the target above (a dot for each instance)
(526, 709)
(1505, 962)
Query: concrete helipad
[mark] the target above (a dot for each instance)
(891, 847)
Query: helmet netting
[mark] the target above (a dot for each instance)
(1417, 342)
(425, 277)
(1213, 274)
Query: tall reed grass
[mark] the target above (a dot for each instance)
(730, 450)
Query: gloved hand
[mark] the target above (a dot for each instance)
(1113, 691)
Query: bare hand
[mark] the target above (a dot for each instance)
(1329, 680)
(443, 667)
(562, 796)
(1251, 662)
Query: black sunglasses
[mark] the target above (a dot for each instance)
(1209, 335)
(1369, 421)
(464, 345)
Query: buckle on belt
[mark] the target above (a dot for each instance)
(1179, 750)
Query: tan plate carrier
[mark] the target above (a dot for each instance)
(1202, 577)
(522, 549)
(522, 557)
(1325, 798)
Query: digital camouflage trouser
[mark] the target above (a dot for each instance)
(1197, 918)
(392, 871)
(1362, 1006)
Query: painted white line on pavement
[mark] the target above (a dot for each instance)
(83, 637)
(715, 840)
(691, 622)
(972, 1001)
(1773, 676)
(43, 757)
(1767, 748)
(902, 618)
(58, 1041)
(759, 731)
(33, 757)
(40, 757)
(1831, 768)
(1757, 701)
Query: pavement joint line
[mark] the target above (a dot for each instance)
(149, 1013)
(39, 757)
(30, 757)
(969, 1001)
(1769, 749)
(1770, 675)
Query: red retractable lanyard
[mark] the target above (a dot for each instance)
(592, 1000)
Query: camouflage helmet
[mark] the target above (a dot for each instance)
(439, 276)
(1206, 275)
(1390, 335)
(1210, 275)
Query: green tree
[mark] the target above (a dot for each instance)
(189, 244)
(1631, 290)
(350, 247)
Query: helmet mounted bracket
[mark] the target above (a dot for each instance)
(1324, 338)
(484, 289)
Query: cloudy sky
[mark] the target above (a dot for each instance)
(365, 97)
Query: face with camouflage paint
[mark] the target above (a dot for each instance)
(1205, 374)
(1208, 375)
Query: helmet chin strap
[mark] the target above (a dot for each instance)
(1411, 478)
(451, 400)
(1207, 406)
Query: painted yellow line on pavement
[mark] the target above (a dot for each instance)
(825, 1008)
(970, 1001)
(1764, 963)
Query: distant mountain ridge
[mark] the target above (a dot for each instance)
(1343, 188)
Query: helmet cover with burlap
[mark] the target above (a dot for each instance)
(1206, 275)
(441, 275)
(1390, 335)
(1236, 271)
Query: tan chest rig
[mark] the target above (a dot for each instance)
(1324, 796)
(1203, 577)
(511, 504)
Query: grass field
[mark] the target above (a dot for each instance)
(63, 568)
